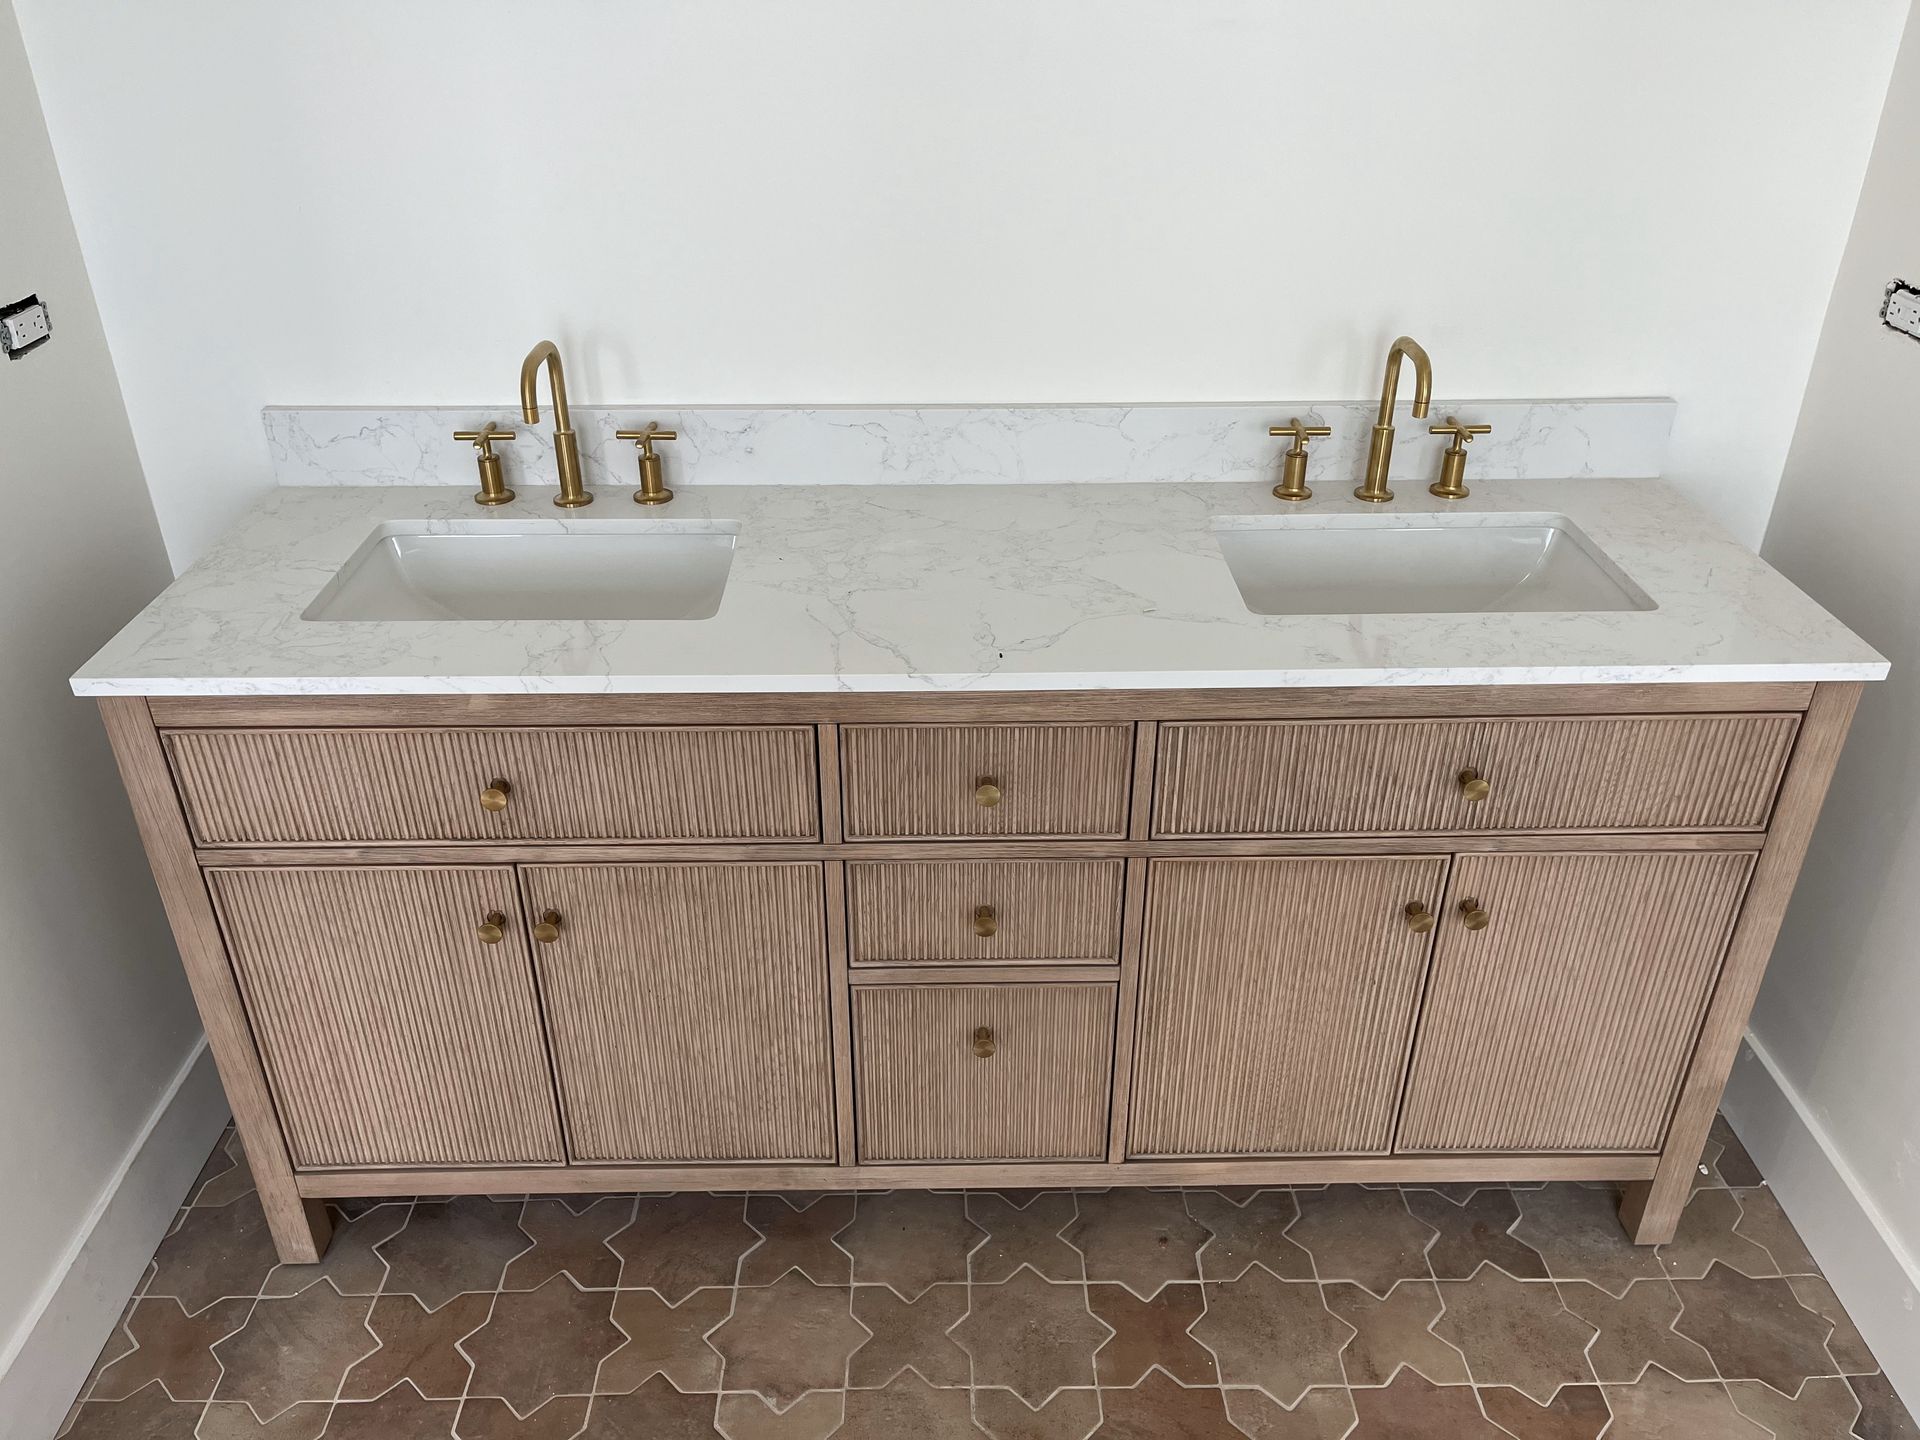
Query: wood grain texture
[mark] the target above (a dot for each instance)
(1589, 773)
(1277, 1001)
(840, 1011)
(1566, 1023)
(1045, 911)
(1651, 1211)
(918, 781)
(643, 783)
(687, 1010)
(390, 1033)
(925, 1095)
(300, 1227)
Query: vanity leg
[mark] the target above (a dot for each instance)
(1650, 1209)
(301, 1228)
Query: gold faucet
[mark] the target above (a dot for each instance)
(566, 445)
(1380, 455)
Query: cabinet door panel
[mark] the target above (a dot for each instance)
(687, 1009)
(390, 1032)
(1276, 1003)
(1566, 1023)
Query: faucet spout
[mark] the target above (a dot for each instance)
(1380, 453)
(566, 445)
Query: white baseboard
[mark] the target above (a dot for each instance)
(44, 1363)
(1876, 1277)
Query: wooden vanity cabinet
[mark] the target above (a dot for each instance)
(580, 943)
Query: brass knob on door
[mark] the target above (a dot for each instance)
(547, 929)
(1419, 919)
(493, 929)
(1472, 916)
(986, 792)
(985, 923)
(1473, 787)
(496, 796)
(983, 1043)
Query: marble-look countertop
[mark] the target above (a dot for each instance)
(971, 587)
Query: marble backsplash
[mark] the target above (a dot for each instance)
(958, 445)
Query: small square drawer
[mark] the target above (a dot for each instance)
(983, 1072)
(305, 787)
(916, 782)
(987, 912)
(1350, 777)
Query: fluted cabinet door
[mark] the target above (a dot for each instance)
(1565, 1023)
(391, 1032)
(1276, 1003)
(687, 1009)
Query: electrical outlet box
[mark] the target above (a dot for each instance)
(24, 326)
(1902, 310)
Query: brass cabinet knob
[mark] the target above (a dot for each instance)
(986, 792)
(986, 924)
(493, 929)
(983, 1043)
(1472, 916)
(1419, 919)
(547, 930)
(496, 796)
(1473, 787)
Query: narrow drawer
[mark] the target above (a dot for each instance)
(945, 912)
(911, 782)
(1286, 777)
(246, 787)
(1034, 1086)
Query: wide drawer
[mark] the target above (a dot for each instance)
(631, 783)
(1692, 772)
(983, 1072)
(945, 912)
(906, 782)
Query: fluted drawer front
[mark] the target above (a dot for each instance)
(390, 1031)
(1567, 1021)
(986, 911)
(628, 783)
(925, 1093)
(906, 782)
(1692, 772)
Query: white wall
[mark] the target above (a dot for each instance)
(1838, 1015)
(95, 1021)
(861, 200)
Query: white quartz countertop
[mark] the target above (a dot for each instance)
(970, 587)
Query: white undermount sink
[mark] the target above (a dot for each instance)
(533, 570)
(1420, 564)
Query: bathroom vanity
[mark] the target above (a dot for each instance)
(852, 885)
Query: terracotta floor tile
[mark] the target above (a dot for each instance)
(1636, 1330)
(1882, 1416)
(1825, 1409)
(1413, 1409)
(909, 1334)
(541, 1343)
(656, 1411)
(231, 1420)
(1367, 1237)
(1577, 1412)
(1273, 1333)
(118, 1343)
(226, 1176)
(570, 1241)
(665, 1339)
(1849, 1349)
(352, 1263)
(294, 1349)
(1515, 1332)
(1069, 1415)
(908, 1409)
(1577, 1232)
(1394, 1332)
(418, 1345)
(171, 1347)
(1142, 1239)
(147, 1415)
(1027, 1234)
(787, 1338)
(813, 1416)
(1152, 1332)
(453, 1246)
(677, 1244)
(1732, 1165)
(1473, 1232)
(214, 1253)
(401, 1411)
(1253, 1233)
(798, 1239)
(1706, 1234)
(1325, 1414)
(1663, 1407)
(1754, 1329)
(910, 1239)
(1158, 1408)
(1764, 1223)
(1031, 1336)
(490, 1418)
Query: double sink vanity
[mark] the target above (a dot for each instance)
(832, 836)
